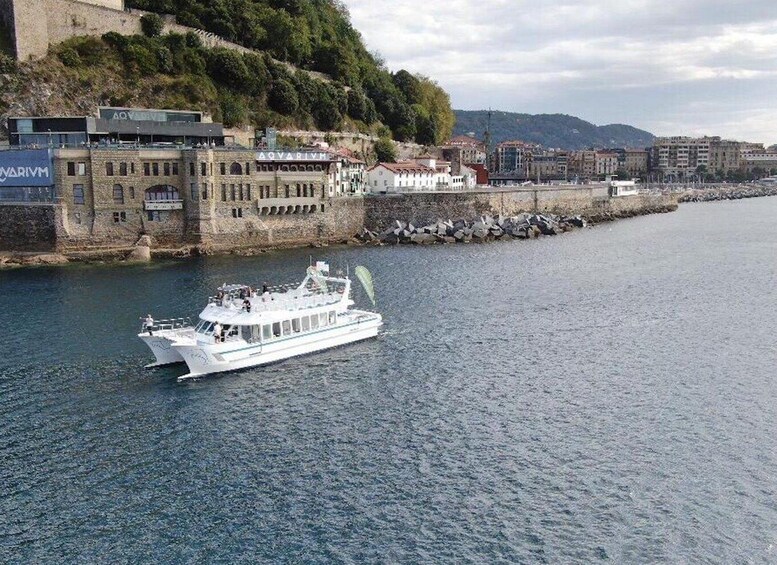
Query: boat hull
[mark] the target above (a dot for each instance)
(205, 359)
(161, 345)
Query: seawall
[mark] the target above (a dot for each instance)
(591, 203)
(44, 228)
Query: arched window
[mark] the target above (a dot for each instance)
(235, 169)
(162, 192)
(118, 194)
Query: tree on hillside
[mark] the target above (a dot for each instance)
(385, 150)
(283, 98)
(152, 25)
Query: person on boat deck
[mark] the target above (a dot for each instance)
(247, 305)
(265, 288)
(217, 332)
(148, 324)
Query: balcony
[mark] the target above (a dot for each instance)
(152, 205)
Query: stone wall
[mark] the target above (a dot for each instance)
(28, 227)
(425, 208)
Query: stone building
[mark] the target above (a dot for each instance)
(109, 197)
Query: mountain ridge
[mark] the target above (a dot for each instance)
(561, 131)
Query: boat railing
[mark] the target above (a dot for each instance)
(169, 324)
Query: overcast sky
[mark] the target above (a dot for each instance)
(672, 67)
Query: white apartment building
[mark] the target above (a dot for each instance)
(408, 176)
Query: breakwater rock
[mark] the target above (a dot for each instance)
(728, 193)
(486, 228)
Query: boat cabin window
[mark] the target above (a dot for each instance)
(286, 327)
(295, 325)
(266, 332)
(314, 321)
(276, 329)
(332, 318)
(305, 324)
(322, 319)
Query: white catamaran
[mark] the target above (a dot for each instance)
(242, 328)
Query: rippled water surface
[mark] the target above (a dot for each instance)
(606, 395)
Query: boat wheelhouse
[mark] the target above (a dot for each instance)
(242, 328)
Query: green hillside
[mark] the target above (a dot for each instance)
(550, 130)
(317, 35)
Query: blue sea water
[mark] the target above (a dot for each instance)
(607, 395)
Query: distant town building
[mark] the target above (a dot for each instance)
(634, 162)
(513, 157)
(464, 150)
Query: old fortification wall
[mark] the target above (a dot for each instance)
(28, 227)
(341, 219)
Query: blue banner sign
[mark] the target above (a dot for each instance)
(30, 167)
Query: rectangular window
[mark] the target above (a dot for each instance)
(223, 192)
(223, 168)
(119, 217)
(78, 194)
(205, 191)
(241, 191)
(322, 319)
(147, 169)
(71, 169)
(109, 169)
(305, 324)
(81, 169)
(194, 190)
(234, 212)
(203, 169)
(175, 169)
(314, 321)
(248, 168)
(248, 192)
(155, 169)
(266, 332)
(132, 192)
(286, 327)
(296, 326)
(232, 191)
(191, 169)
(158, 215)
(123, 169)
(118, 194)
(132, 168)
(166, 169)
(276, 329)
(332, 318)
(77, 217)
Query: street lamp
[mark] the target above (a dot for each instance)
(137, 135)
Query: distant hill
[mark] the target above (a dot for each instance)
(550, 130)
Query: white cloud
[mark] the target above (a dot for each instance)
(685, 66)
